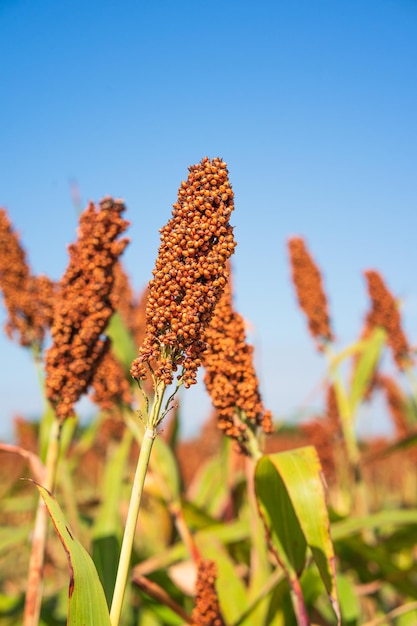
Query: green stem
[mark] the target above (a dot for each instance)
(252, 436)
(37, 557)
(153, 419)
(130, 528)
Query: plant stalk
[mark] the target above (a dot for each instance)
(130, 528)
(37, 558)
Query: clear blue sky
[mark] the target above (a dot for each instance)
(312, 105)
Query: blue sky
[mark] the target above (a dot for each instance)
(312, 105)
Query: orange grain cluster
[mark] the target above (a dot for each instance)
(109, 387)
(189, 276)
(385, 313)
(132, 308)
(28, 298)
(396, 404)
(310, 293)
(83, 306)
(206, 610)
(325, 434)
(230, 376)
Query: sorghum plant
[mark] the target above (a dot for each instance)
(270, 528)
(82, 310)
(308, 285)
(189, 277)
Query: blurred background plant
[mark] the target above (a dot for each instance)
(234, 524)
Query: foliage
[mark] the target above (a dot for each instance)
(310, 527)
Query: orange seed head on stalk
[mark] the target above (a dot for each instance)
(206, 610)
(397, 404)
(385, 313)
(131, 307)
(109, 386)
(230, 376)
(310, 293)
(189, 276)
(325, 434)
(83, 306)
(28, 299)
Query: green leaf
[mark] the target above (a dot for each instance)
(123, 345)
(366, 365)
(10, 536)
(279, 517)
(354, 526)
(260, 565)
(283, 530)
(408, 614)
(292, 501)
(165, 467)
(348, 598)
(107, 528)
(87, 602)
(281, 612)
(385, 565)
(209, 489)
(45, 426)
(162, 462)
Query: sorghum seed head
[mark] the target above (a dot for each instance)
(310, 293)
(189, 274)
(131, 307)
(28, 298)
(396, 402)
(83, 306)
(206, 610)
(109, 387)
(230, 376)
(385, 313)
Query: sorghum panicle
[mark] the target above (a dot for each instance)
(206, 610)
(83, 305)
(310, 293)
(325, 434)
(385, 313)
(189, 276)
(396, 403)
(28, 298)
(132, 308)
(230, 376)
(109, 387)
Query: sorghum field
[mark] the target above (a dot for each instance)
(120, 522)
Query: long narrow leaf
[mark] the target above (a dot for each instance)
(283, 530)
(87, 602)
(301, 483)
(379, 520)
(123, 345)
(368, 360)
